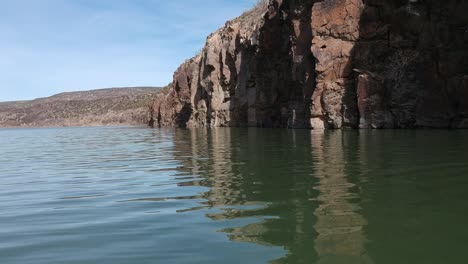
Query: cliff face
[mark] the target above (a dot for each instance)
(329, 64)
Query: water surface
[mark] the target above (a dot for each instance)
(135, 195)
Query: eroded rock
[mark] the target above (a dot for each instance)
(328, 64)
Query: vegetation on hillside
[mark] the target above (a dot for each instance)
(114, 106)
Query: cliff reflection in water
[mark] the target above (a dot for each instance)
(291, 187)
(341, 238)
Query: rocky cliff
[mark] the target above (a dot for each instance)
(114, 106)
(328, 64)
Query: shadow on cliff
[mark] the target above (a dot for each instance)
(365, 101)
(282, 74)
(410, 65)
(184, 115)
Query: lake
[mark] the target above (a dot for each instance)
(136, 195)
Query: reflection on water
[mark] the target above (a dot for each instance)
(340, 226)
(129, 195)
(294, 183)
(304, 189)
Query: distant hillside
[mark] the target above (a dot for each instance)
(112, 106)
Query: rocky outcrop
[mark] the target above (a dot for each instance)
(328, 64)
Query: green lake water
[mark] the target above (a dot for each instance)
(135, 195)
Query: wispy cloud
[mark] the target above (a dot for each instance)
(50, 46)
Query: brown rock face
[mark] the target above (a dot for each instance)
(329, 64)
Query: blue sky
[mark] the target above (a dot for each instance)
(53, 46)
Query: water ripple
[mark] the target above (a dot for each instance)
(136, 195)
